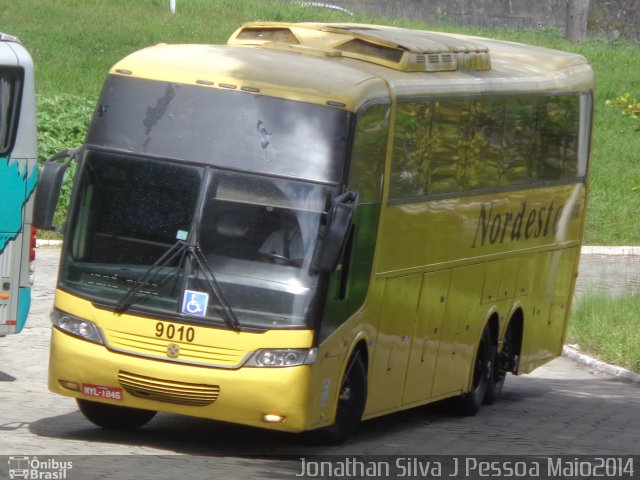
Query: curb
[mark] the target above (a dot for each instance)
(40, 242)
(600, 367)
(598, 250)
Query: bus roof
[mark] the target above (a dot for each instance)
(5, 37)
(346, 65)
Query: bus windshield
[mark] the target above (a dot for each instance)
(225, 128)
(256, 235)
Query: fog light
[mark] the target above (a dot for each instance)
(272, 418)
(69, 385)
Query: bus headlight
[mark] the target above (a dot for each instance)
(283, 357)
(75, 326)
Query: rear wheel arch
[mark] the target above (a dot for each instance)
(469, 402)
(493, 323)
(504, 360)
(514, 333)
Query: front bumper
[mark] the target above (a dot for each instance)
(242, 396)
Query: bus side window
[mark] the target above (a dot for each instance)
(10, 91)
(348, 285)
(453, 145)
(368, 152)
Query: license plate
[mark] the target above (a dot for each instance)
(100, 391)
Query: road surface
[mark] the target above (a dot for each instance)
(562, 408)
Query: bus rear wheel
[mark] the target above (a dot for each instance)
(501, 365)
(113, 417)
(351, 402)
(469, 403)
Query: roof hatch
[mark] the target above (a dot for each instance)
(397, 48)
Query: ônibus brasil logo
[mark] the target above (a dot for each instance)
(35, 469)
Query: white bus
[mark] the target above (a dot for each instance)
(18, 176)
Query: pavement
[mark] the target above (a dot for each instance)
(562, 408)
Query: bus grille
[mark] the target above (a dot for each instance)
(195, 354)
(169, 391)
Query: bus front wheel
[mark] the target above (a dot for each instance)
(470, 402)
(113, 417)
(351, 402)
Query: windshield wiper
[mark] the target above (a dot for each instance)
(194, 252)
(176, 249)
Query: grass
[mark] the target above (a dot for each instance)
(607, 328)
(75, 42)
(613, 204)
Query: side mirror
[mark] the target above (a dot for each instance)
(336, 231)
(48, 189)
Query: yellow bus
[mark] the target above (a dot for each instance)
(317, 224)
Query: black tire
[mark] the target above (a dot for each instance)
(113, 417)
(499, 369)
(469, 403)
(496, 379)
(351, 402)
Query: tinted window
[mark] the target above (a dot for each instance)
(255, 234)
(10, 92)
(369, 151)
(228, 128)
(445, 146)
(130, 210)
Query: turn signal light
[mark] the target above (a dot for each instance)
(69, 385)
(32, 244)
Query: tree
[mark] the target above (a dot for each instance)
(577, 13)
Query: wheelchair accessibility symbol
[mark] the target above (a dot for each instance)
(195, 303)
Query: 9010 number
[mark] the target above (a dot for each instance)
(171, 332)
